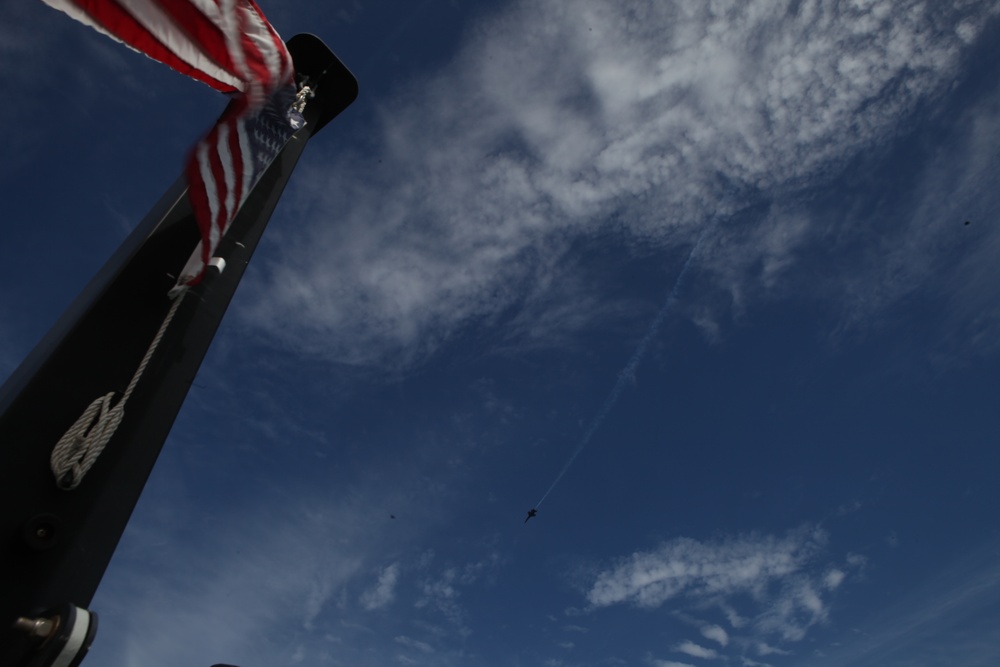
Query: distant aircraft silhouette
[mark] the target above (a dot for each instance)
(532, 512)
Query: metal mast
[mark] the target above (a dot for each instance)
(54, 544)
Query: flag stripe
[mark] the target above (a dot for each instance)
(267, 42)
(230, 194)
(149, 33)
(217, 154)
(245, 161)
(187, 47)
(207, 202)
(203, 31)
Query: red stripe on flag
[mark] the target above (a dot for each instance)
(287, 67)
(267, 60)
(257, 70)
(202, 31)
(118, 21)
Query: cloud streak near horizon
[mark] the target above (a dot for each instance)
(643, 120)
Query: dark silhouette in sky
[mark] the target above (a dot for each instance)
(532, 512)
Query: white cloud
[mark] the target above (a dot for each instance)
(834, 578)
(780, 584)
(696, 650)
(706, 570)
(670, 663)
(716, 633)
(384, 591)
(856, 560)
(415, 644)
(920, 254)
(950, 615)
(443, 592)
(795, 609)
(256, 565)
(732, 616)
(554, 120)
(763, 648)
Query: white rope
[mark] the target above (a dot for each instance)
(80, 446)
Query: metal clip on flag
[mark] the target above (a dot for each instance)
(55, 544)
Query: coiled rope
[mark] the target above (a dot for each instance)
(80, 446)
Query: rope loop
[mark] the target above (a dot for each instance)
(80, 446)
(78, 449)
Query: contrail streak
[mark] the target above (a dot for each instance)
(629, 370)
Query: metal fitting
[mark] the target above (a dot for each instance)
(41, 628)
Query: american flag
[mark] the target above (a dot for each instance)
(228, 162)
(230, 46)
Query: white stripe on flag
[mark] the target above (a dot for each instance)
(258, 31)
(205, 169)
(176, 38)
(246, 155)
(229, 177)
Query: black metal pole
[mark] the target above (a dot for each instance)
(55, 545)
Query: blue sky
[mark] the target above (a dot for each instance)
(799, 466)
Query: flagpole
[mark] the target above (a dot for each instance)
(55, 544)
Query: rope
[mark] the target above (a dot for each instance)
(80, 446)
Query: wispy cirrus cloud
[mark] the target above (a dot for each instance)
(384, 590)
(267, 568)
(696, 650)
(705, 570)
(928, 254)
(415, 644)
(442, 592)
(750, 662)
(769, 588)
(716, 633)
(948, 619)
(645, 121)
